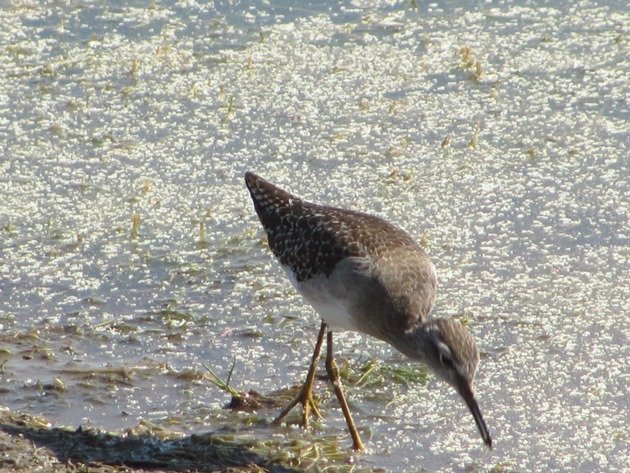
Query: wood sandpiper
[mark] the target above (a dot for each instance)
(361, 273)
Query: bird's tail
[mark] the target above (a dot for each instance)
(269, 200)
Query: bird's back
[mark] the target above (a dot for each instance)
(312, 240)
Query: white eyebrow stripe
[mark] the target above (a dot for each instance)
(444, 349)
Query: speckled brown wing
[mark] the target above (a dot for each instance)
(312, 239)
(303, 236)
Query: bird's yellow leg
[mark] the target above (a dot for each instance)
(306, 393)
(333, 375)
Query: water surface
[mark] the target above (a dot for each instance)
(496, 134)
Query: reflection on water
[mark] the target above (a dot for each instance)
(494, 135)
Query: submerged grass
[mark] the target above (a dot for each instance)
(223, 385)
(377, 374)
(30, 443)
(249, 401)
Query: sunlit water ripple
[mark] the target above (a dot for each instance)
(497, 136)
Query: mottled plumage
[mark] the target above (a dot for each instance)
(311, 240)
(361, 273)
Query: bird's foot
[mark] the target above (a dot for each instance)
(305, 397)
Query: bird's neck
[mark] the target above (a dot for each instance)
(414, 343)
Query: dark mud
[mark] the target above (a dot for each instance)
(28, 443)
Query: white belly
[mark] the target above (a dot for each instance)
(329, 299)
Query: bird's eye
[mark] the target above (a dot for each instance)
(446, 361)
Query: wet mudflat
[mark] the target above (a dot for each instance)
(131, 259)
(30, 444)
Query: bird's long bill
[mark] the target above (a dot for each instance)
(466, 391)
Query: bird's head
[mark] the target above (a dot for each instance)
(451, 352)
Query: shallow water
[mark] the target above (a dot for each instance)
(496, 135)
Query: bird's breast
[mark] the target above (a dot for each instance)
(333, 297)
